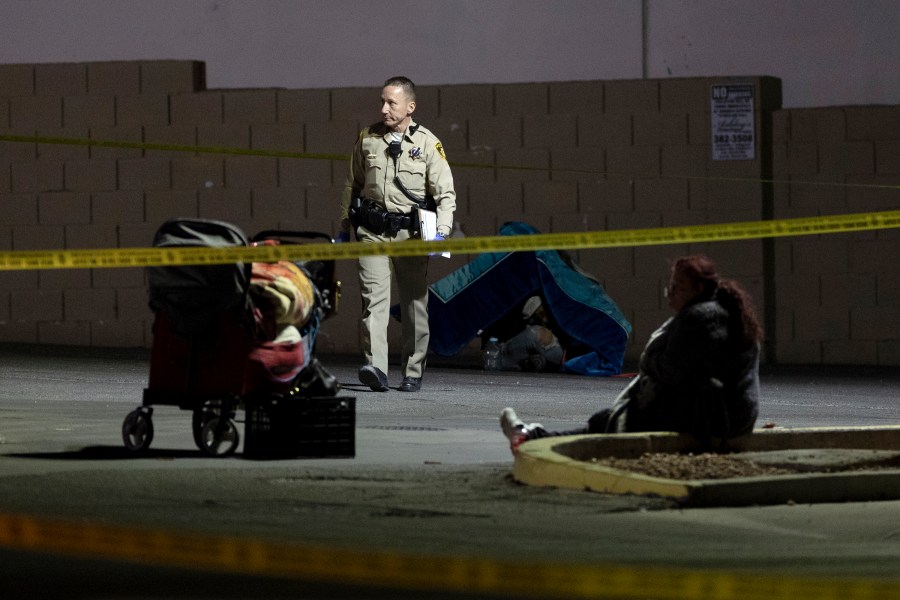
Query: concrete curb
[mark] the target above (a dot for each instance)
(566, 462)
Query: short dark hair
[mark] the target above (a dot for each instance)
(405, 82)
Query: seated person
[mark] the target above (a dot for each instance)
(535, 348)
(698, 373)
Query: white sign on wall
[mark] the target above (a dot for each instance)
(733, 131)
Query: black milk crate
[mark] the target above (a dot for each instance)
(301, 427)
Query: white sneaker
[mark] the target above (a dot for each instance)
(515, 430)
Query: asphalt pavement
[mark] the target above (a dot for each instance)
(426, 507)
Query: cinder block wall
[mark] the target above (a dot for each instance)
(837, 297)
(567, 156)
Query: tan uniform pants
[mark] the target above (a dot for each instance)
(375, 285)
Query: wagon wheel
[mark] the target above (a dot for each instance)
(201, 416)
(219, 437)
(137, 429)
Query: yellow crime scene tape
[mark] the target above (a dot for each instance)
(175, 256)
(395, 570)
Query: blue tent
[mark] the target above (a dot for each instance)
(480, 294)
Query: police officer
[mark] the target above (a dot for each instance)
(397, 166)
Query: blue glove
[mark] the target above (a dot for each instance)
(343, 236)
(438, 237)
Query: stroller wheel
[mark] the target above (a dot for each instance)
(210, 410)
(137, 430)
(219, 437)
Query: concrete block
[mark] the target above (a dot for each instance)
(231, 205)
(875, 323)
(136, 110)
(359, 104)
(550, 197)
(60, 79)
(180, 136)
(887, 157)
(872, 122)
(28, 114)
(577, 164)
(312, 173)
(887, 291)
(132, 303)
(18, 151)
(428, 104)
(18, 280)
(91, 236)
(206, 108)
(21, 332)
(140, 236)
(784, 325)
(684, 218)
(491, 199)
(36, 176)
(607, 263)
(604, 130)
(162, 205)
(877, 255)
(888, 353)
(655, 194)
(234, 136)
(634, 161)
(818, 125)
(530, 165)
(250, 106)
(331, 137)
(453, 133)
(113, 135)
(17, 79)
(64, 333)
(64, 279)
(544, 131)
(522, 99)
(121, 280)
(798, 291)
(282, 205)
(5, 176)
(683, 161)
(818, 192)
(725, 194)
(113, 78)
(94, 175)
(243, 172)
(145, 174)
(63, 208)
(803, 158)
(89, 305)
(324, 203)
(36, 305)
(849, 352)
(684, 95)
(813, 323)
(861, 198)
(576, 97)
(562, 222)
(826, 255)
(615, 194)
(68, 144)
(18, 209)
(849, 157)
(301, 106)
(89, 111)
(457, 100)
(280, 137)
(654, 263)
(632, 96)
(495, 133)
(632, 220)
(781, 126)
(657, 129)
(117, 334)
(172, 76)
(799, 353)
(203, 172)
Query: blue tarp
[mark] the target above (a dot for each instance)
(479, 294)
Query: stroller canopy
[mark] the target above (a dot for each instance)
(478, 295)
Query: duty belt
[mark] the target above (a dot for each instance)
(378, 220)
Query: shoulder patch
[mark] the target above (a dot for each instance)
(440, 150)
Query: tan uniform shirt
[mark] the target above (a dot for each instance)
(422, 168)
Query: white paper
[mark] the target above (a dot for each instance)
(428, 228)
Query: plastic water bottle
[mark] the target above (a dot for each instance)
(491, 355)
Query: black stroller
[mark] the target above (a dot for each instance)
(242, 336)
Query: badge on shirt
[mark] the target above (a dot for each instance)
(415, 153)
(440, 150)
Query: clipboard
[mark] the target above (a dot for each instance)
(428, 227)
